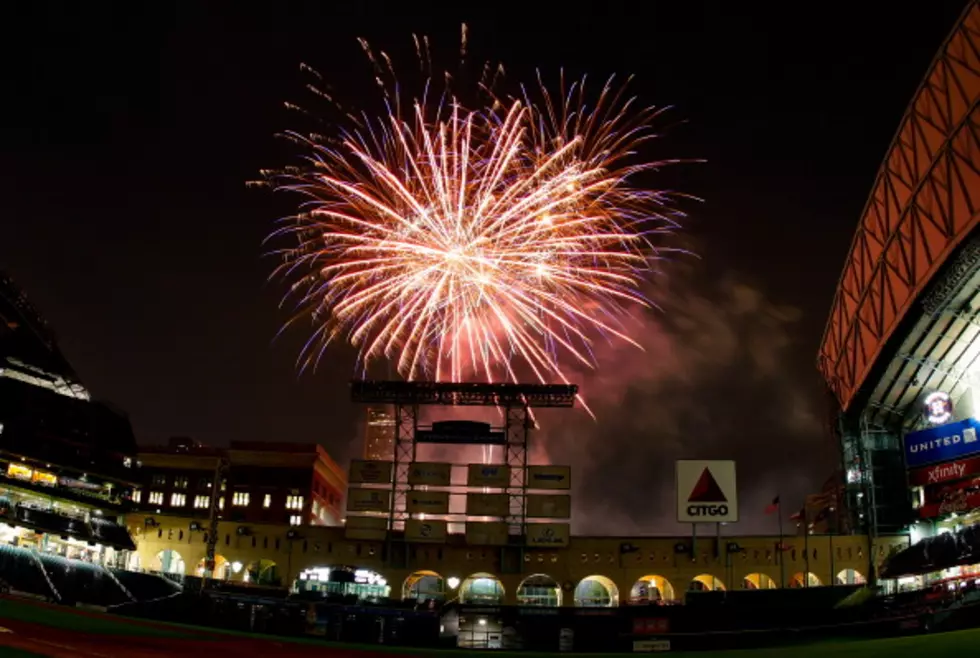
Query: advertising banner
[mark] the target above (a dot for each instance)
(479, 533)
(480, 504)
(430, 474)
(958, 501)
(426, 532)
(488, 475)
(549, 477)
(942, 444)
(945, 472)
(427, 502)
(706, 491)
(368, 500)
(460, 432)
(548, 535)
(366, 528)
(549, 506)
(363, 471)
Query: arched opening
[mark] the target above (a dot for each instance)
(804, 580)
(850, 577)
(134, 563)
(262, 572)
(539, 590)
(651, 589)
(169, 561)
(758, 581)
(596, 592)
(706, 583)
(424, 586)
(481, 589)
(332, 582)
(222, 568)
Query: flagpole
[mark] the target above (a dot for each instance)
(806, 546)
(779, 547)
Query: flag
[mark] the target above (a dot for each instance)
(798, 515)
(773, 507)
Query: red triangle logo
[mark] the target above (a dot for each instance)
(706, 490)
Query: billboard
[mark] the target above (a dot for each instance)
(548, 535)
(945, 472)
(427, 502)
(488, 475)
(364, 471)
(942, 444)
(460, 431)
(479, 533)
(366, 528)
(549, 506)
(481, 504)
(430, 474)
(368, 500)
(549, 477)
(426, 532)
(706, 491)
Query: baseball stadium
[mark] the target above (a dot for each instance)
(107, 548)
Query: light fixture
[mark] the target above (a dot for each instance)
(453, 582)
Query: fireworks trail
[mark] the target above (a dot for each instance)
(491, 241)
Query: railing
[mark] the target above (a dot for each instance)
(44, 572)
(119, 584)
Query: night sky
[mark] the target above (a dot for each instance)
(129, 134)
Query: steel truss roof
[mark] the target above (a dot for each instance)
(463, 394)
(925, 201)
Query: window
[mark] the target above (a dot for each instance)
(204, 483)
(137, 495)
(156, 498)
(266, 501)
(240, 499)
(224, 484)
(159, 480)
(180, 483)
(202, 502)
(178, 500)
(294, 502)
(295, 519)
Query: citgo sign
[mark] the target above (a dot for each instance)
(706, 492)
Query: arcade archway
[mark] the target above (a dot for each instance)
(850, 577)
(262, 572)
(596, 592)
(651, 589)
(805, 580)
(758, 581)
(481, 589)
(169, 561)
(706, 582)
(222, 568)
(539, 590)
(424, 586)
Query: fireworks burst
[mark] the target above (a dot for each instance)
(481, 242)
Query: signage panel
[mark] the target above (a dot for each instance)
(706, 491)
(364, 471)
(549, 477)
(548, 535)
(479, 533)
(956, 501)
(460, 431)
(431, 474)
(367, 528)
(481, 504)
(549, 506)
(368, 500)
(488, 475)
(426, 532)
(427, 502)
(945, 472)
(942, 444)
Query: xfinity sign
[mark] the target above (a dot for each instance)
(706, 492)
(941, 444)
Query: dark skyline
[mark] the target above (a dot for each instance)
(131, 133)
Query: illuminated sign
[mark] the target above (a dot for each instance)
(47, 479)
(460, 431)
(426, 532)
(550, 506)
(544, 535)
(365, 471)
(938, 408)
(488, 475)
(430, 474)
(942, 444)
(706, 492)
(19, 472)
(368, 500)
(549, 477)
(481, 533)
(945, 472)
(427, 502)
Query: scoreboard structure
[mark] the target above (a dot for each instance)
(406, 501)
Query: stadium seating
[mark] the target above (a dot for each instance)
(146, 586)
(22, 572)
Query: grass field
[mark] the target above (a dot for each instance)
(31, 630)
